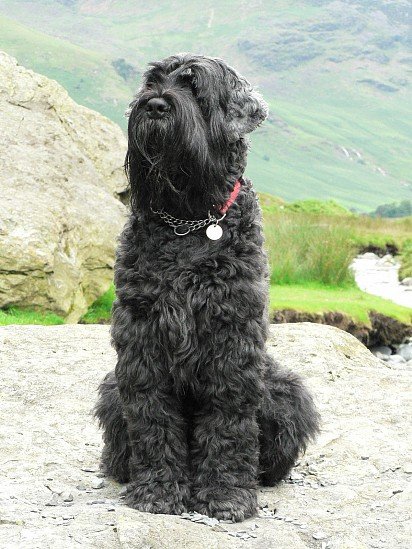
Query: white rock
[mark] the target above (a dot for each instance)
(405, 351)
(396, 359)
(381, 356)
(97, 483)
(60, 181)
(319, 535)
(382, 350)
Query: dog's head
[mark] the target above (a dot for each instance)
(184, 124)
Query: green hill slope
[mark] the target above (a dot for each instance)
(335, 75)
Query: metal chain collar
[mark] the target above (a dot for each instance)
(181, 227)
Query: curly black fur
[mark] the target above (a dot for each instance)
(196, 412)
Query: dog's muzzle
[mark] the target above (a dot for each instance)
(157, 107)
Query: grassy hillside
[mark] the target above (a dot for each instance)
(335, 75)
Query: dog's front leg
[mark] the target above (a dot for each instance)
(225, 450)
(158, 439)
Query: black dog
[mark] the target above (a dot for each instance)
(196, 413)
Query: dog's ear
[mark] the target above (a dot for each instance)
(246, 109)
(220, 89)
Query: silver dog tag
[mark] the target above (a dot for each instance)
(214, 232)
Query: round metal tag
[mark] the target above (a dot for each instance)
(214, 232)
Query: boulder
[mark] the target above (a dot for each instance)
(349, 491)
(61, 177)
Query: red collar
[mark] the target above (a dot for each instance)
(233, 195)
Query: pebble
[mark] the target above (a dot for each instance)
(218, 528)
(67, 496)
(319, 536)
(53, 501)
(81, 487)
(382, 350)
(97, 483)
(200, 519)
(296, 476)
(396, 359)
(96, 502)
(90, 469)
(405, 351)
(382, 356)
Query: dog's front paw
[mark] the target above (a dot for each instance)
(168, 498)
(226, 503)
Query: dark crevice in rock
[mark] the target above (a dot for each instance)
(383, 330)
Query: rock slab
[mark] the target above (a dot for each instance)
(350, 490)
(61, 178)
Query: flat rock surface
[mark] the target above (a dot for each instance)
(349, 491)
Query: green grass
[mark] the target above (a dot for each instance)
(306, 247)
(100, 311)
(319, 299)
(22, 316)
(406, 260)
(303, 248)
(318, 207)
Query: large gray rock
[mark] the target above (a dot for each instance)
(349, 491)
(61, 178)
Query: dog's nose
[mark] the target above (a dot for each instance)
(157, 107)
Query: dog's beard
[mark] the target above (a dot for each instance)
(175, 162)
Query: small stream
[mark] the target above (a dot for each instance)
(379, 276)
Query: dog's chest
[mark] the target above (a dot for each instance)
(188, 294)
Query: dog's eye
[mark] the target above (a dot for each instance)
(189, 79)
(234, 113)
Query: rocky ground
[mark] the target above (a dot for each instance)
(349, 491)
